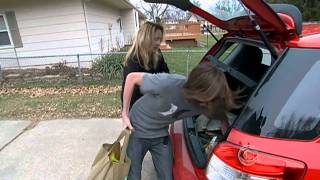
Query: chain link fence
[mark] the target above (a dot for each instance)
(85, 67)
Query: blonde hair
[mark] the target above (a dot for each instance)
(140, 47)
(206, 83)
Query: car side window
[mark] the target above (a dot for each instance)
(294, 117)
(249, 60)
(227, 52)
(287, 103)
(266, 58)
(252, 61)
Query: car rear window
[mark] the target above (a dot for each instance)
(223, 10)
(287, 104)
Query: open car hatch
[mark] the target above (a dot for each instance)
(232, 15)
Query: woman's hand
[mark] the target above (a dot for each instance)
(126, 122)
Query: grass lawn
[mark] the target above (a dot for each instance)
(63, 99)
(208, 41)
(42, 105)
(182, 62)
(63, 83)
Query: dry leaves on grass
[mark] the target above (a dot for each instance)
(37, 104)
(39, 114)
(38, 92)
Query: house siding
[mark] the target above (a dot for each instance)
(104, 29)
(48, 27)
(130, 24)
(64, 27)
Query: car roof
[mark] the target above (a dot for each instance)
(310, 28)
(306, 41)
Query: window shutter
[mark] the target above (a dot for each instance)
(14, 29)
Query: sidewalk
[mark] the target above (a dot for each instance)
(57, 149)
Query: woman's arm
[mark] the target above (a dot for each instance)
(133, 79)
(132, 66)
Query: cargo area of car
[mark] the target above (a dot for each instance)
(248, 61)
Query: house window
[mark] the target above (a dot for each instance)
(4, 32)
(9, 31)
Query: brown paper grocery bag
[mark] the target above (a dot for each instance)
(112, 162)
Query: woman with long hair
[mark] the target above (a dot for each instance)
(144, 55)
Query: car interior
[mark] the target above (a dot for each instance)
(244, 64)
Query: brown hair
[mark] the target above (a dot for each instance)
(208, 84)
(140, 47)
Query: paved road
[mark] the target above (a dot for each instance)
(57, 149)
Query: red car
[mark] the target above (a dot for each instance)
(269, 54)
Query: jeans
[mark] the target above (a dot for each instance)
(161, 152)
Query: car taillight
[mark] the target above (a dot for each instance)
(235, 162)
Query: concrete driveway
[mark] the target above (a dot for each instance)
(57, 149)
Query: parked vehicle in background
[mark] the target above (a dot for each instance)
(276, 61)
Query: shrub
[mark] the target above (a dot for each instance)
(110, 65)
(62, 69)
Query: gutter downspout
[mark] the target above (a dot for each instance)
(83, 3)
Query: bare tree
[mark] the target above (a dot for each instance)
(154, 11)
(174, 14)
(229, 6)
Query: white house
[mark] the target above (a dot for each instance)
(61, 27)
